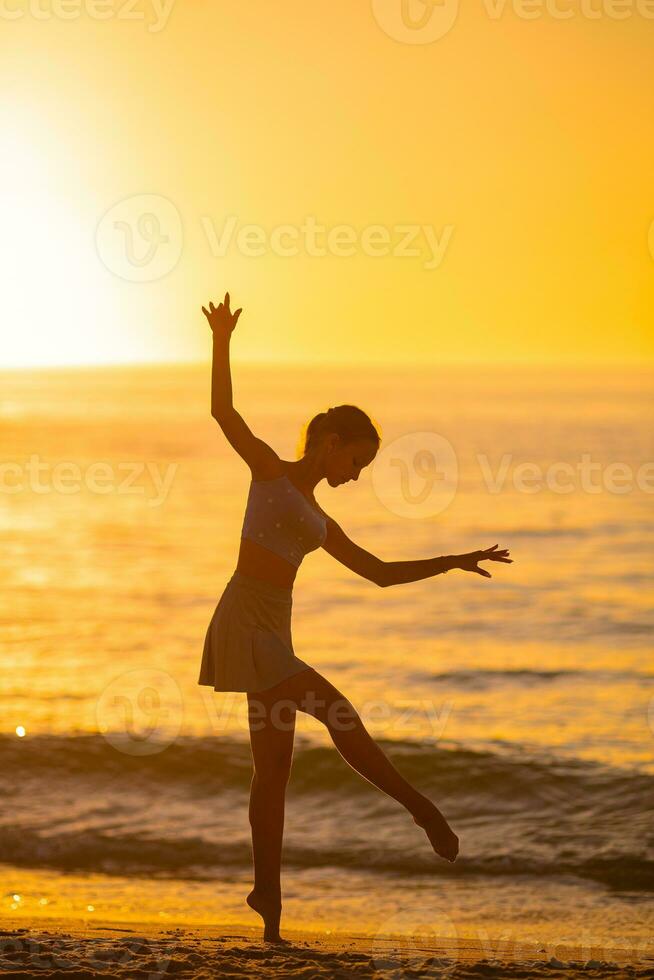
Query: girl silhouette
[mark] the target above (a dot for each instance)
(248, 645)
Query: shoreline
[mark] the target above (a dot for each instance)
(77, 948)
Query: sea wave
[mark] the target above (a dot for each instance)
(197, 858)
(482, 678)
(183, 810)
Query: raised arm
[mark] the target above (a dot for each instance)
(385, 573)
(260, 457)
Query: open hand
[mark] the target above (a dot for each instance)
(469, 562)
(221, 319)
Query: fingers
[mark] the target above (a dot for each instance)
(497, 555)
(224, 305)
(490, 554)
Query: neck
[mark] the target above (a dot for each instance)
(306, 473)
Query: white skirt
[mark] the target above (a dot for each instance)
(248, 644)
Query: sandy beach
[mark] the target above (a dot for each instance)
(56, 948)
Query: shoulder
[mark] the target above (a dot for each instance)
(269, 468)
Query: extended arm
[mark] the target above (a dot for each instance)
(384, 573)
(398, 572)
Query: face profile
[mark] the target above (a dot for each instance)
(345, 461)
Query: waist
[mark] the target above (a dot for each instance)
(265, 565)
(263, 588)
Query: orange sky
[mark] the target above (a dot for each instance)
(514, 155)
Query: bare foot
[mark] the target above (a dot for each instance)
(440, 834)
(270, 910)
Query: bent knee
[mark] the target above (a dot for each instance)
(342, 716)
(336, 712)
(316, 696)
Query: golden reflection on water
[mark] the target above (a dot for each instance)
(108, 579)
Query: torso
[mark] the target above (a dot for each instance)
(263, 564)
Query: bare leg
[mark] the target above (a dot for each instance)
(272, 730)
(312, 693)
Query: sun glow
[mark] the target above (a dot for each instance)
(58, 302)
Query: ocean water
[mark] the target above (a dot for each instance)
(523, 704)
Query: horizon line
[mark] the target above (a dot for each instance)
(320, 364)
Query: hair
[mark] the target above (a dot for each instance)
(348, 421)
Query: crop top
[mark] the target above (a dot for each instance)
(280, 518)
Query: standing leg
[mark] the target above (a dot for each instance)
(272, 730)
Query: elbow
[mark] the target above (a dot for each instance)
(380, 577)
(220, 414)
